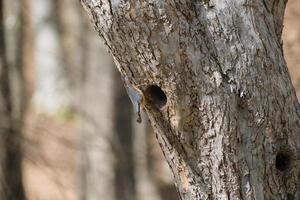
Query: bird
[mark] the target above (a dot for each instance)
(136, 97)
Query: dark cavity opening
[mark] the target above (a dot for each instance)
(290, 197)
(283, 161)
(156, 96)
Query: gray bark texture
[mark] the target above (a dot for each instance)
(216, 89)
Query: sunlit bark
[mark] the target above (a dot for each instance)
(216, 89)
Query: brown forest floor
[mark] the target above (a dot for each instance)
(50, 159)
(51, 145)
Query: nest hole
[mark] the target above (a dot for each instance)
(290, 197)
(155, 95)
(283, 161)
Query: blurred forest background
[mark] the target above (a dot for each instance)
(76, 134)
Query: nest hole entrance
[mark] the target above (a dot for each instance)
(156, 96)
(283, 161)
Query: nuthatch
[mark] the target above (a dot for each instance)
(136, 97)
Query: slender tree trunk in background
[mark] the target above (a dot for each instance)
(159, 169)
(216, 89)
(92, 102)
(25, 62)
(70, 27)
(145, 185)
(11, 187)
(96, 119)
(87, 66)
(125, 183)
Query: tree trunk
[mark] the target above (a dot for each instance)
(97, 159)
(145, 185)
(71, 24)
(216, 88)
(11, 187)
(87, 66)
(125, 183)
(25, 62)
(159, 169)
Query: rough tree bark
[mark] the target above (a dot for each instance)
(216, 89)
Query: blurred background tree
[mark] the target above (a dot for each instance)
(67, 127)
(16, 72)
